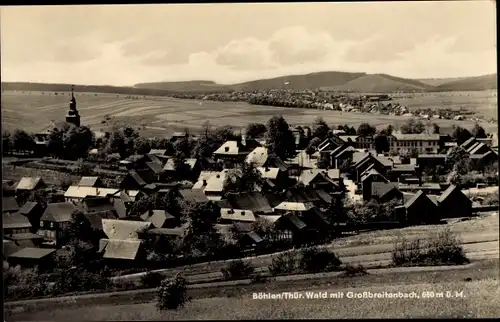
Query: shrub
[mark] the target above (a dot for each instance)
(151, 279)
(286, 262)
(257, 278)
(491, 199)
(78, 280)
(357, 270)
(237, 269)
(315, 260)
(124, 285)
(172, 293)
(441, 248)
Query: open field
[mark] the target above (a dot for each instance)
(33, 111)
(480, 299)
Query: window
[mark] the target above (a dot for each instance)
(51, 225)
(41, 223)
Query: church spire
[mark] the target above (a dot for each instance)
(73, 115)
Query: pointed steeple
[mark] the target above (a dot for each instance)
(73, 116)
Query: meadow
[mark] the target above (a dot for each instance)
(160, 116)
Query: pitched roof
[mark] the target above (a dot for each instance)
(324, 196)
(170, 165)
(125, 197)
(270, 218)
(448, 192)
(155, 167)
(59, 212)
(204, 176)
(254, 237)
(403, 167)
(193, 195)
(253, 201)
(153, 158)
(29, 207)
(134, 175)
(24, 236)
(10, 247)
(307, 176)
(477, 148)
(294, 220)
(16, 220)
(29, 183)
(237, 214)
(9, 204)
(120, 208)
(95, 218)
(31, 252)
(158, 217)
(305, 194)
(407, 196)
(268, 173)
(258, 156)
(468, 143)
(82, 192)
(89, 181)
(473, 146)
(157, 151)
(371, 172)
(229, 148)
(122, 249)
(95, 204)
(167, 231)
(303, 159)
(124, 229)
(416, 137)
(420, 194)
(434, 199)
(381, 189)
(216, 183)
(294, 206)
(385, 161)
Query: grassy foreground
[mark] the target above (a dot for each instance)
(481, 299)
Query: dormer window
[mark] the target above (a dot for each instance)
(226, 149)
(243, 213)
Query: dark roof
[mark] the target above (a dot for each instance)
(89, 181)
(167, 231)
(324, 196)
(294, 220)
(134, 175)
(306, 194)
(15, 220)
(320, 215)
(253, 236)
(467, 144)
(96, 218)
(30, 252)
(155, 167)
(448, 192)
(193, 195)
(370, 173)
(243, 227)
(95, 204)
(9, 204)
(157, 217)
(125, 197)
(254, 201)
(431, 156)
(380, 189)
(58, 212)
(29, 207)
(10, 247)
(154, 159)
(418, 195)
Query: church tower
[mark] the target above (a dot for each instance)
(73, 117)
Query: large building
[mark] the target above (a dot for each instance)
(73, 116)
(422, 143)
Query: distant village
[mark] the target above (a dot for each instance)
(221, 194)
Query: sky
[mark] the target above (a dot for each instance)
(123, 45)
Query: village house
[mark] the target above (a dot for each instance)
(24, 240)
(478, 148)
(423, 143)
(367, 179)
(132, 181)
(55, 218)
(251, 241)
(15, 224)
(384, 192)
(33, 211)
(481, 161)
(228, 215)
(78, 193)
(428, 187)
(254, 202)
(90, 182)
(401, 172)
(431, 161)
(9, 205)
(300, 162)
(341, 157)
(289, 228)
(28, 184)
(235, 152)
(260, 157)
(453, 203)
(367, 160)
(29, 257)
(124, 240)
(326, 180)
(421, 210)
(8, 188)
(159, 218)
(190, 170)
(194, 196)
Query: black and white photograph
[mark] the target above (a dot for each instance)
(244, 161)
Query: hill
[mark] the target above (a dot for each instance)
(182, 86)
(382, 83)
(479, 83)
(439, 81)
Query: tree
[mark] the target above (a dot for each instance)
(479, 132)
(207, 127)
(412, 127)
(77, 141)
(280, 139)
(389, 130)
(172, 293)
(141, 146)
(6, 142)
(223, 134)
(435, 128)
(458, 159)
(366, 129)
(320, 128)
(183, 148)
(323, 161)
(460, 134)
(254, 130)
(22, 141)
(313, 145)
(381, 143)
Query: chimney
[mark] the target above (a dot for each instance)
(204, 182)
(96, 191)
(267, 169)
